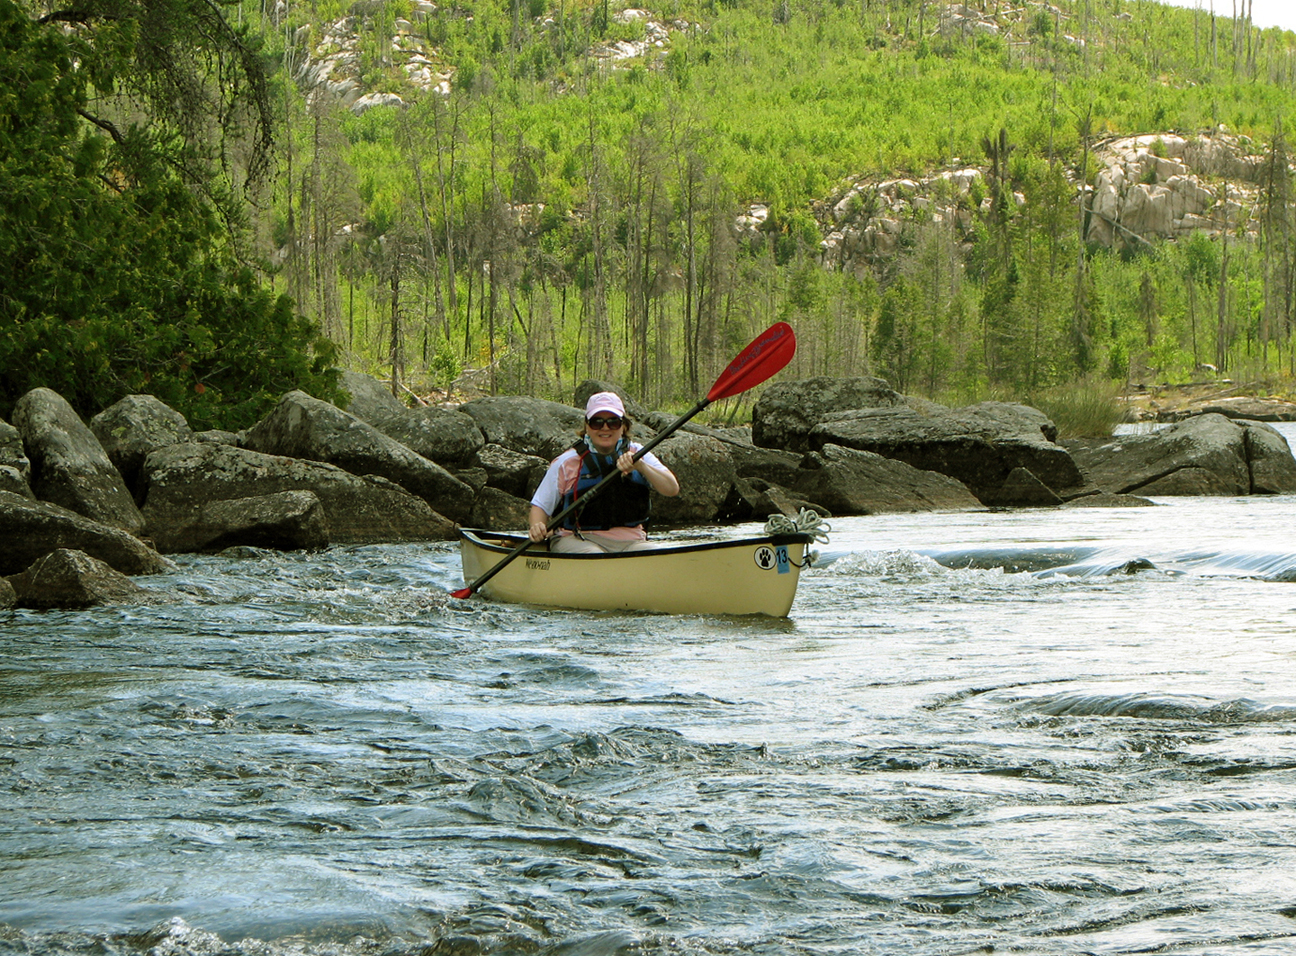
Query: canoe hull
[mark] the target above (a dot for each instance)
(744, 576)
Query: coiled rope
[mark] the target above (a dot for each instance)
(808, 522)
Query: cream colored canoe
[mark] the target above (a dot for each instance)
(744, 576)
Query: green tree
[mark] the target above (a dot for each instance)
(178, 76)
(116, 276)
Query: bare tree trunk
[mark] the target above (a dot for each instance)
(601, 333)
(397, 352)
(1221, 327)
(492, 309)
(1080, 306)
(446, 151)
(429, 243)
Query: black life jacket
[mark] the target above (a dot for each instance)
(622, 504)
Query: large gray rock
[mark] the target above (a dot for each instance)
(220, 436)
(300, 426)
(754, 499)
(786, 412)
(12, 454)
(497, 510)
(531, 426)
(768, 464)
(980, 445)
(12, 480)
(1190, 482)
(1023, 489)
(8, 597)
(32, 529)
(1202, 455)
(282, 521)
(69, 466)
(511, 471)
(131, 428)
(850, 482)
(448, 437)
(182, 479)
(706, 475)
(72, 579)
(371, 400)
(1273, 469)
(1148, 211)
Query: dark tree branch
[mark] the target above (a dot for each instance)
(76, 16)
(103, 124)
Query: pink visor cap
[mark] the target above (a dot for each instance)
(604, 402)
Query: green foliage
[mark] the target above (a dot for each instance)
(115, 276)
(445, 365)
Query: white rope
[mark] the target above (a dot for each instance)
(808, 522)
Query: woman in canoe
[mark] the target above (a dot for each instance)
(614, 519)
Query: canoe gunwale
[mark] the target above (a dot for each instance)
(486, 541)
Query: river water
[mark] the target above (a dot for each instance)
(1028, 732)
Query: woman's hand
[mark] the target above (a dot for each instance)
(538, 524)
(661, 480)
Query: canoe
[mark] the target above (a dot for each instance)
(743, 576)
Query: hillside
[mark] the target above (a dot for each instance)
(658, 183)
(966, 199)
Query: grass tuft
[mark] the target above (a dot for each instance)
(1089, 408)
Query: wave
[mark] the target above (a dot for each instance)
(1161, 707)
(1073, 561)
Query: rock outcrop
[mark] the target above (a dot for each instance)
(1149, 186)
(131, 428)
(511, 471)
(183, 479)
(1236, 406)
(12, 481)
(706, 474)
(446, 436)
(786, 412)
(12, 454)
(980, 446)
(31, 529)
(281, 521)
(371, 400)
(531, 426)
(848, 481)
(15, 468)
(68, 465)
(303, 427)
(70, 579)
(1203, 455)
(497, 510)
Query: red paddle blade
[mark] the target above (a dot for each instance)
(768, 353)
(462, 593)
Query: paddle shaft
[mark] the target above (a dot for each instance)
(561, 516)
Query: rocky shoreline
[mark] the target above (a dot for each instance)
(86, 506)
(1174, 403)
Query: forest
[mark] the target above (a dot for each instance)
(482, 196)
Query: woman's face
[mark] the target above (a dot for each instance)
(604, 430)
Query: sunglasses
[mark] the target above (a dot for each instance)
(600, 423)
